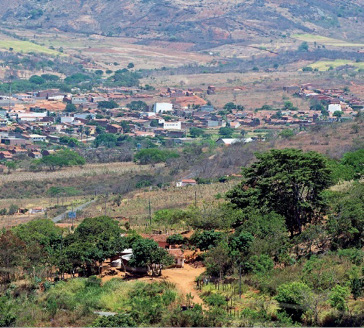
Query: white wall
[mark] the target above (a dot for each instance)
(162, 107)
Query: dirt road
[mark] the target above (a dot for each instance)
(184, 279)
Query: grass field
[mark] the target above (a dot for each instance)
(325, 40)
(26, 47)
(324, 65)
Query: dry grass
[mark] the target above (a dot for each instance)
(135, 205)
(74, 172)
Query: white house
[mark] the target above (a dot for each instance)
(172, 125)
(67, 119)
(186, 182)
(162, 108)
(332, 108)
(37, 137)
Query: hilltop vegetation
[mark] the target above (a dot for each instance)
(190, 21)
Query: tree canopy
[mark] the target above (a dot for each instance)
(288, 182)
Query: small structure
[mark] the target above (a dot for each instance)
(186, 182)
(179, 257)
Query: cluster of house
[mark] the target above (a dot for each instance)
(122, 259)
(32, 118)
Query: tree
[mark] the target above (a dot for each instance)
(153, 156)
(130, 65)
(292, 298)
(62, 158)
(338, 114)
(108, 140)
(338, 298)
(230, 106)
(107, 104)
(36, 79)
(11, 166)
(303, 46)
(138, 105)
(147, 253)
(94, 240)
(12, 254)
(288, 182)
(70, 108)
(287, 133)
(196, 132)
(175, 239)
(226, 132)
(205, 239)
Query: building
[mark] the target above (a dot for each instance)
(37, 138)
(162, 108)
(186, 182)
(172, 125)
(332, 108)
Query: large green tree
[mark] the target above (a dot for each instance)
(288, 182)
(147, 253)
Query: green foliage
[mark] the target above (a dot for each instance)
(292, 299)
(154, 156)
(36, 79)
(287, 133)
(262, 264)
(338, 297)
(288, 182)
(108, 140)
(170, 216)
(138, 105)
(69, 141)
(64, 157)
(196, 132)
(303, 46)
(226, 132)
(355, 160)
(147, 253)
(176, 239)
(7, 315)
(205, 239)
(215, 300)
(346, 222)
(70, 108)
(107, 104)
(125, 78)
(119, 320)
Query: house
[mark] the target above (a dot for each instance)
(186, 182)
(37, 138)
(227, 141)
(35, 154)
(114, 128)
(172, 125)
(77, 100)
(6, 155)
(178, 255)
(332, 108)
(162, 108)
(36, 210)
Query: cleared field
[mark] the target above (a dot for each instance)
(26, 47)
(74, 172)
(325, 40)
(324, 65)
(135, 205)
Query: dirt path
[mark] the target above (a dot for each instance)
(184, 279)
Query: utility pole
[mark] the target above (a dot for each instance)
(106, 197)
(150, 213)
(240, 280)
(195, 198)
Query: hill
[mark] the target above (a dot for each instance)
(201, 22)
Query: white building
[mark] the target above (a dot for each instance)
(37, 137)
(67, 119)
(334, 108)
(162, 108)
(172, 125)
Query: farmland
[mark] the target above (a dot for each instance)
(325, 65)
(323, 40)
(27, 47)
